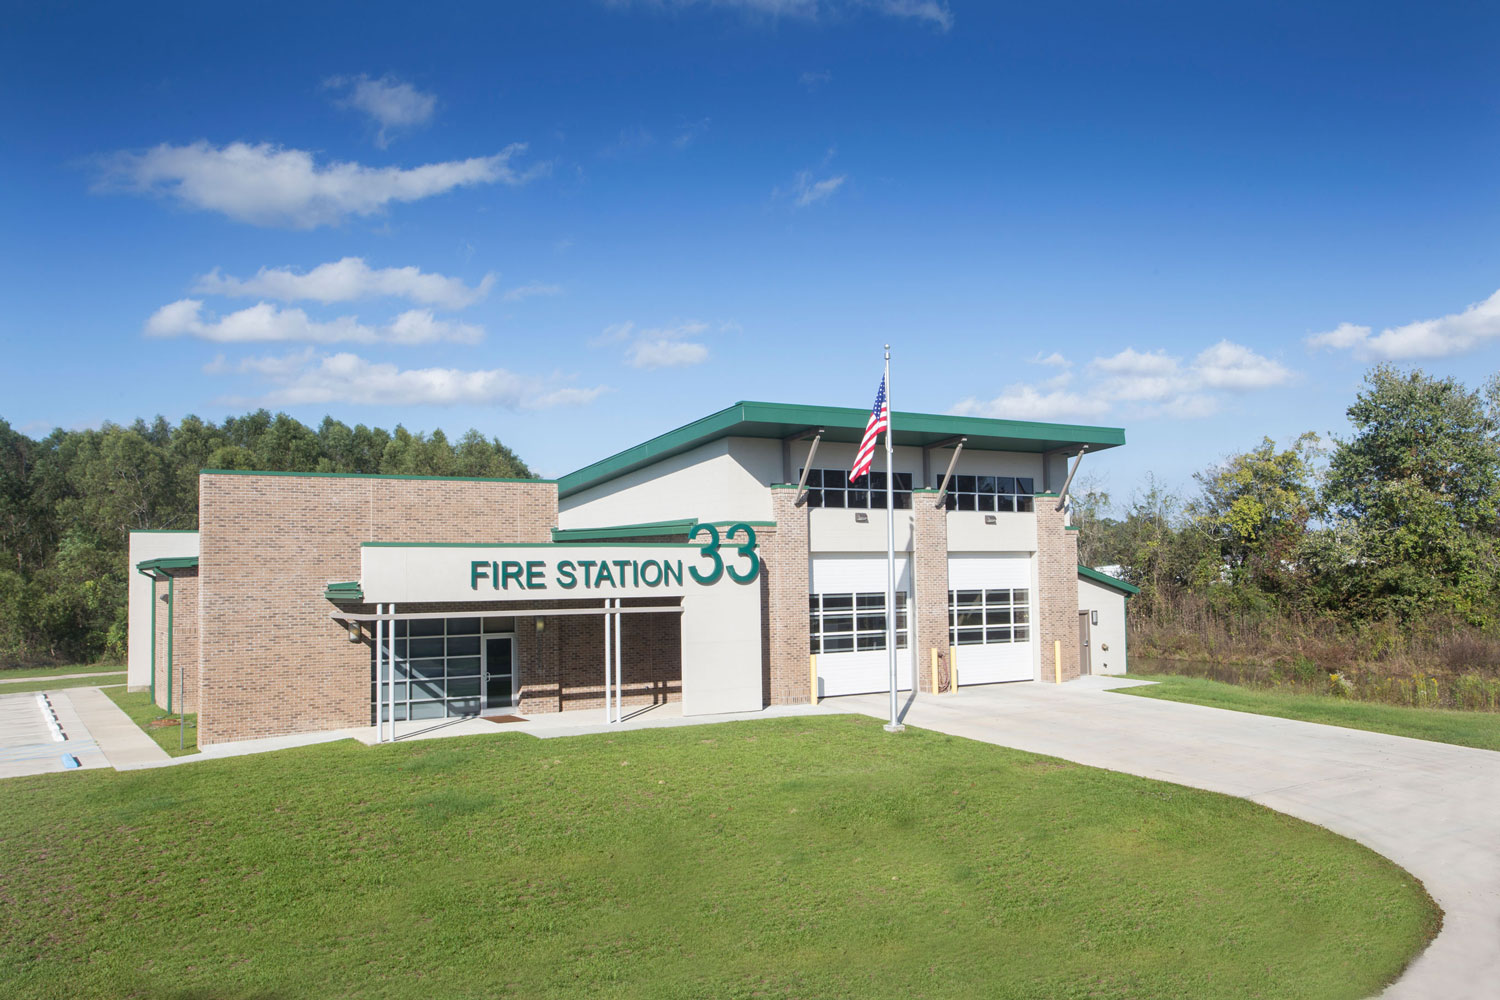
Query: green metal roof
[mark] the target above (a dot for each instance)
(647, 530)
(165, 564)
(840, 424)
(1107, 580)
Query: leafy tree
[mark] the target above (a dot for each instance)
(1256, 506)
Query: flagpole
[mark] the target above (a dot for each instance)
(894, 726)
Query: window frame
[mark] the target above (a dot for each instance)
(861, 604)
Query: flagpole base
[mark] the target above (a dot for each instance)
(894, 727)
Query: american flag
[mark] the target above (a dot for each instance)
(880, 420)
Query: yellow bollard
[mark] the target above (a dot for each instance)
(1056, 661)
(953, 669)
(812, 667)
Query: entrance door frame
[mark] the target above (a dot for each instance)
(1085, 645)
(484, 671)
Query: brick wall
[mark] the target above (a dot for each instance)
(930, 583)
(271, 660)
(784, 560)
(1057, 585)
(184, 679)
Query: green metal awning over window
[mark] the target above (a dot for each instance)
(345, 593)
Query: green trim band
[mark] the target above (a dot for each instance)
(1070, 527)
(1052, 495)
(529, 545)
(368, 475)
(623, 531)
(784, 486)
(165, 531)
(1107, 580)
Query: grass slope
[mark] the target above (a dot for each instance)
(776, 858)
(142, 710)
(77, 668)
(1468, 729)
(22, 687)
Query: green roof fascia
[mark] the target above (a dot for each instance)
(366, 475)
(168, 563)
(840, 424)
(530, 545)
(164, 531)
(647, 529)
(350, 592)
(1107, 580)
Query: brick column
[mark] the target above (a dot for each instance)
(1057, 583)
(930, 583)
(784, 556)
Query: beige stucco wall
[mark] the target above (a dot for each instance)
(1110, 632)
(147, 545)
(722, 480)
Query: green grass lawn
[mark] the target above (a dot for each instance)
(77, 668)
(777, 858)
(1468, 729)
(73, 682)
(138, 705)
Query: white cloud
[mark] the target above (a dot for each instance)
(348, 280)
(1456, 333)
(392, 103)
(935, 12)
(1154, 382)
(690, 133)
(308, 377)
(266, 323)
(269, 185)
(530, 289)
(1024, 402)
(813, 79)
(661, 347)
(1228, 365)
(806, 191)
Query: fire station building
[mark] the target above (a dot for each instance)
(727, 565)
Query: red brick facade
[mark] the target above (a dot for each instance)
(271, 659)
(930, 583)
(1057, 586)
(785, 564)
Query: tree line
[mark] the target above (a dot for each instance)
(69, 501)
(1377, 546)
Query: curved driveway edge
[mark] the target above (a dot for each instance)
(1432, 808)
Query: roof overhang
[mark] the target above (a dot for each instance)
(165, 566)
(1088, 573)
(842, 424)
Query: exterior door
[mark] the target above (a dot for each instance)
(499, 671)
(1085, 653)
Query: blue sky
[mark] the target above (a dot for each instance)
(576, 225)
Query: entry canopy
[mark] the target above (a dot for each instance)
(843, 424)
(165, 565)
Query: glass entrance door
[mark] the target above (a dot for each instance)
(499, 671)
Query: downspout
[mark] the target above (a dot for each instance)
(152, 578)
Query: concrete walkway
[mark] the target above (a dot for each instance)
(124, 744)
(1432, 808)
(27, 744)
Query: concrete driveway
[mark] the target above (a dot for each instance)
(1433, 809)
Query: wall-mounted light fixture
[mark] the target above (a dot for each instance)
(989, 519)
(1093, 618)
(354, 631)
(541, 624)
(861, 518)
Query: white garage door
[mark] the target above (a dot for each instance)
(991, 617)
(846, 623)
